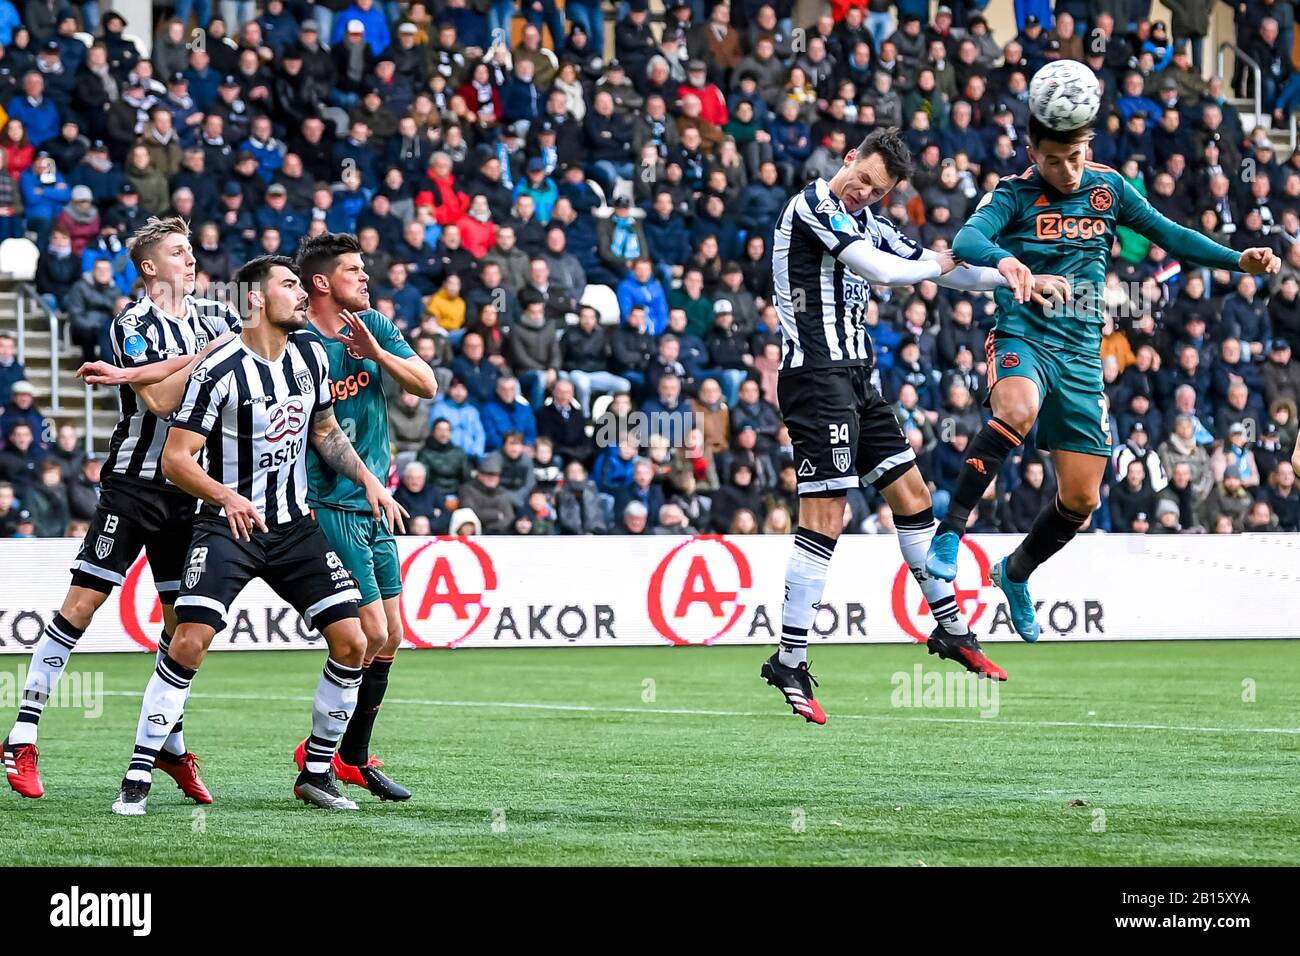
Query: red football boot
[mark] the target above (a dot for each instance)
(20, 770)
(185, 771)
(966, 651)
(796, 684)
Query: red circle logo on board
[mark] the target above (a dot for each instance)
(137, 606)
(915, 619)
(696, 592)
(457, 578)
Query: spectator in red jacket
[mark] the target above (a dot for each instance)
(713, 105)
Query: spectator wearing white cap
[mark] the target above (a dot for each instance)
(372, 20)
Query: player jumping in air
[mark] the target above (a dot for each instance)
(828, 246)
(251, 407)
(363, 347)
(1045, 360)
(156, 342)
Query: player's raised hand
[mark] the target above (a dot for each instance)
(360, 341)
(1260, 260)
(1052, 292)
(383, 507)
(1018, 277)
(242, 516)
(103, 373)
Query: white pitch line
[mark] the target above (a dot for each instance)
(687, 712)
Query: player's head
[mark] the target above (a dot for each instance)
(330, 265)
(872, 169)
(161, 253)
(273, 292)
(1060, 157)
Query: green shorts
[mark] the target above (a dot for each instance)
(367, 549)
(1073, 414)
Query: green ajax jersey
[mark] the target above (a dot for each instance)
(362, 412)
(1070, 235)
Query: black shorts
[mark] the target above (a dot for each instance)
(844, 432)
(131, 517)
(294, 559)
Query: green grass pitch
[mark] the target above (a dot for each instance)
(1182, 753)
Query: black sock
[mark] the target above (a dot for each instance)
(355, 747)
(984, 457)
(1054, 528)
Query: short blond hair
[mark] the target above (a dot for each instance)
(154, 231)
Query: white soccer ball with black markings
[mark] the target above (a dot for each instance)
(1064, 95)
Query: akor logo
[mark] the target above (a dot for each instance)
(913, 616)
(696, 593)
(447, 585)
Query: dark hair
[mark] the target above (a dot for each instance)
(1038, 132)
(254, 272)
(892, 149)
(319, 255)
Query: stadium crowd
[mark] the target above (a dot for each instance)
(570, 219)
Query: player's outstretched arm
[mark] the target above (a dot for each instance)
(1188, 245)
(885, 268)
(182, 469)
(160, 385)
(407, 369)
(337, 452)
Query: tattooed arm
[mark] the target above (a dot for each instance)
(336, 451)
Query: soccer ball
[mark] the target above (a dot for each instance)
(1064, 95)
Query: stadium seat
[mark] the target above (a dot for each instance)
(605, 301)
(18, 258)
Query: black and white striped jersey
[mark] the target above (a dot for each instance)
(257, 415)
(822, 303)
(142, 335)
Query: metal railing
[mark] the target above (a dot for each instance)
(29, 299)
(89, 424)
(1240, 54)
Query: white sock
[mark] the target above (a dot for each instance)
(49, 660)
(332, 707)
(805, 580)
(163, 704)
(914, 535)
(175, 743)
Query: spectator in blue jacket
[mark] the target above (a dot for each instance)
(959, 137)
(474, 369)
(614, 467)
(640, 287)
(277, 214)
(541, 187)
(668, 238)
(9, 21)
(372, 18)
(466, 423)
(39, 114)
(97, 171)
(791, 141)
(45, 193)
(505, 414)
(761, 202)
(1134, 99)
(268, 150)
(11, 370)
(520, 98)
